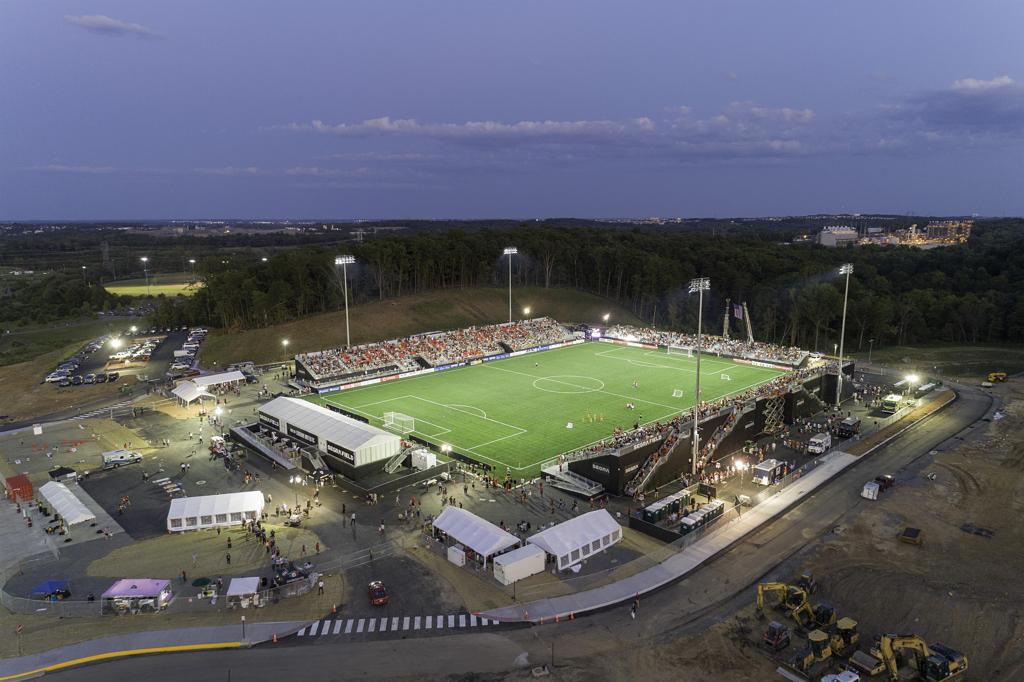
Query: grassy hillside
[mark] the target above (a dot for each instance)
(393, 318)
(25, 344)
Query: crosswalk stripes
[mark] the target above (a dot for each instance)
(385, 624)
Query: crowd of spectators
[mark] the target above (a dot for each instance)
(441, 348)
(710, 344)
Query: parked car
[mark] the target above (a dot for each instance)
(77, 380)
(90, 378)
(113, 376)
(101, 378)
(378, 593)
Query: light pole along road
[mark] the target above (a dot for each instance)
(684, 608)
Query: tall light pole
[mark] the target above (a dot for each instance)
(844, 269)
(192, 266)
(344, 262)
(83, 274)
(697, 286)
(145, 269)
(510, 251)
(871, 347)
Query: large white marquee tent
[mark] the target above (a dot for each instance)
(66, 503)
(210, 511)
(572, 541)
(468, 529)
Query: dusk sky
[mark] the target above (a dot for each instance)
(195, 109)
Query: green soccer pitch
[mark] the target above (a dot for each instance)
(515, 412)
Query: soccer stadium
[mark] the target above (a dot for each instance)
(534, 397)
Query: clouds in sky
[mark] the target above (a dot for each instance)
(979, 108)
(71, 168)
(108, 26)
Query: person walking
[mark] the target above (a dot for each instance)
(320, 586)
(228, 558)
(634, 608)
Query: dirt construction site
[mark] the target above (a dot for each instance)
(960, 587)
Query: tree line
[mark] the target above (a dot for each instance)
(963, 294)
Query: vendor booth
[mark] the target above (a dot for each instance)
(52, 590)
(470, 536)
(136, 595)
(211, 511)
(65, 503)
(187, 392)
(574, 540)
(244, 593)
(519, 563)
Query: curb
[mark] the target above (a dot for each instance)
(110, 655)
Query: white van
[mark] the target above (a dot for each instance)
(820, 443)
(870, 491)
(116, 458)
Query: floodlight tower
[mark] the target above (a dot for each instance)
(344, 262)
(510, 251)
(844, 269)
(697, 286)
(145, 270)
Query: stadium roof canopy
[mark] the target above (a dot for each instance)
(481, 536)
(318, 420)
(576, 539)
(65, 503)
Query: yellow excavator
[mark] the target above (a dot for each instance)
(810, 617)
(934, 663)
(789, 596)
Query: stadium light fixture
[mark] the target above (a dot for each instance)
(847, 270)
(344, 262)
(510, 251)
(526, 310)
(607, 316)
(697, 286)
(145, 270)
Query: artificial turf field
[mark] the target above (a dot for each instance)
(514, 412)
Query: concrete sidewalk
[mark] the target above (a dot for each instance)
(678, 565)
(161, 641)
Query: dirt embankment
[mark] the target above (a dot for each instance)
(962, 587)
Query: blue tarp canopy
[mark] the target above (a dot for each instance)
(50, 586)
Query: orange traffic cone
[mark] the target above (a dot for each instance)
(334, 609)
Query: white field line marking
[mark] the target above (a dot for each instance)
(496, 421)
(630, 398)
(482, 414)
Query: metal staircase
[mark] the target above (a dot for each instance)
(396, 462)
(571, 482)
(722, 432)
(653, 463)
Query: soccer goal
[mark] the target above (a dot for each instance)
(396, 421)
(680, 350)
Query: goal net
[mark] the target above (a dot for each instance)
(396, 421)
(680, 350)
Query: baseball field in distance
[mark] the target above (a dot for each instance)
(517, 412)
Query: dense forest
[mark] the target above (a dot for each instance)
(53, 296)
(964, 294)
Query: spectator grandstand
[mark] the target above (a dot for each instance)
(766, 352)
(340, 365)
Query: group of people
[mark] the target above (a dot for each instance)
(710, 344)
(400, 355)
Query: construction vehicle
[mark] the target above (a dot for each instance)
(810, 617)
(816, 651)
(842, 676)
(807, 583)
(844, 637)
(776, 637)
(789, 596)
(993, 377)
(933, 663)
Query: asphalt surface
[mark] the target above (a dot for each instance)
(685, 607)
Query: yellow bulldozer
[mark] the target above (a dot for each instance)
(817, 650)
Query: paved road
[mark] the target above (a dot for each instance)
(682, 608)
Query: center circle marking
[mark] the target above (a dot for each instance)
(568, 383)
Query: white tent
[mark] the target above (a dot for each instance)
(210, 511)
(65, 503)
(231, 377)
(348, 440)
(188, 391)
(576, 539)
(481, 536)
(243, 593)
